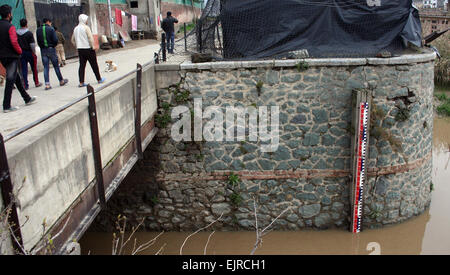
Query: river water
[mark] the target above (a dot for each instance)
(428, 233)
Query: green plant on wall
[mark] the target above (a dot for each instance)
(302, 66)
(402, 114)
(162, 120)
(375, 214)
(235, 197)
(259, 85)
(181, 95)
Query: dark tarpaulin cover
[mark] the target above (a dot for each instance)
(267, 28)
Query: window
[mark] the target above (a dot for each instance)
(134, 4)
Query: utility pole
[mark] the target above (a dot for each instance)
(111, 25)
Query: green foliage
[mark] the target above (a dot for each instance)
(233, 180)
(442, 97)
(375, 214)
(302, 66)
(200, 157)
(166, 106)
(154, 200)
(243, 150)
(181, 95)
(402, 115)
(444, 107)
(259, 86)
(162, 120)
(189, 27)
(236, 199)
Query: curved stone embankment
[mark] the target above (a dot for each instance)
(310, 171)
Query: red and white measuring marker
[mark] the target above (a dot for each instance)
(360, 173)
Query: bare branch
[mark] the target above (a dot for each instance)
(146, 245)
(213, 222)
(161, 249)
(133, 232)
(261, 233)
(206, 246)
(51, 239)
(281, 214)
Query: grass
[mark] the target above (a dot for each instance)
(442, 94)
(189, 27)
(442, 68)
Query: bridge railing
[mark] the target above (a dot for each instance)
(6, 182)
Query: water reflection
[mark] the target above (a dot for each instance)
(428, 233)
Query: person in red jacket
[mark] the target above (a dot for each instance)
(10, 52)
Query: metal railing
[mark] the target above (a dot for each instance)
(5, 176)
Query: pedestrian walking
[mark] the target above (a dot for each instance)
(60, 48)
(168, 26)
(47, 41)
(10, 52)
(28, 46)
(83, 40)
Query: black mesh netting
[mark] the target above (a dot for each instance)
(261, 29)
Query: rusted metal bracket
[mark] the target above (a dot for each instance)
(96, 146)
(8, 199)
(138, 106)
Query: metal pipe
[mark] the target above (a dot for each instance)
(68, 105)
(42, 119)
(111, 25)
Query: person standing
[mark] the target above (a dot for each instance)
(60, 48)
(168, 26)
(83, 40)
(10, 52)
(28, 45)
(47, 41)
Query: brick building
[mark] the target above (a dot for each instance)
(435, 19)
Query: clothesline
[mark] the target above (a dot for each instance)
(120, 13)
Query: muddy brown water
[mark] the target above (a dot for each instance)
(428, 233)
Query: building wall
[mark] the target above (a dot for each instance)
(434, 20)
(182, 10)
(103, 19)
(184, 185)
(147, 12)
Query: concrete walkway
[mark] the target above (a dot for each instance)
(48, 101)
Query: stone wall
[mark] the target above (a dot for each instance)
(186, 185)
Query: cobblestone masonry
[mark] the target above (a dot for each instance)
(310, 171)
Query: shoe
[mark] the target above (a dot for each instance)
(82, 85)
(38, 85)
(26, 87)
(31, 101)
(11, 109)
(102, 80)
(48, 88)
(65, 81)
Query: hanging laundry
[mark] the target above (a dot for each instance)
(119, 17)
(133, 22)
